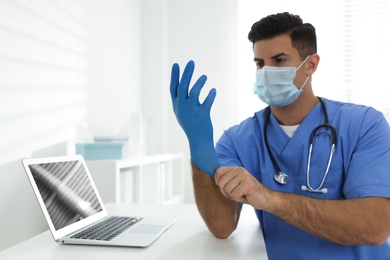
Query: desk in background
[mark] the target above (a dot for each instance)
(187, 239)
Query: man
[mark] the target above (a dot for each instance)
(316, 171)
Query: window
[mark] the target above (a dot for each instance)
(42, 82)
(367, 43)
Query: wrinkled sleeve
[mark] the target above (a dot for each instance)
(226, 152)
(368, 173)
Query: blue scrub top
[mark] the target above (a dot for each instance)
(360, 168)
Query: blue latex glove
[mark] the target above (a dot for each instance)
(194, 117)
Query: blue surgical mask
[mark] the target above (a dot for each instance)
(275, 85)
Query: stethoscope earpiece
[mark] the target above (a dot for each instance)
(323, 190)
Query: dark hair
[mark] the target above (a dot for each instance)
(303, 35)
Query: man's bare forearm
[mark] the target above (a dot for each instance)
(220, 214)
(362, 221)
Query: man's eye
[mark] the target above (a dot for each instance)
(280, 60)
(259, 65)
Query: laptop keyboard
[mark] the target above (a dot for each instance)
(107, 229)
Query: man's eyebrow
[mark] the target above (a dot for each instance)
(279, 55)
(273, 57)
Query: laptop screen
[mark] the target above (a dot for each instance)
(66, 191)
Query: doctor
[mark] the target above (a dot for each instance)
(316, 171)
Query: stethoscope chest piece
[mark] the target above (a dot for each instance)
(281, 177)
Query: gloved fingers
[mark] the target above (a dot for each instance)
(196, 89)
(183, 87)
(174, 80)
(209, 100)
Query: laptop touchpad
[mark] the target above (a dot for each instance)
(147, 229)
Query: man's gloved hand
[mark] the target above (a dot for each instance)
(194, 117)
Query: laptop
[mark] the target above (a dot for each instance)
(74, 209)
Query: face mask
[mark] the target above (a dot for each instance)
(275, 85)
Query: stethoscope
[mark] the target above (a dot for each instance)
(281, 177)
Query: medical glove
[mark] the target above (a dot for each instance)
(194, 117)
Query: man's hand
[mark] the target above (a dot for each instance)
(239, 185)
(194, 117)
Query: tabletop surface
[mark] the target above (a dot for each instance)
(187, 239)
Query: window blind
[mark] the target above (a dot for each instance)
(367, 42)
(42, 74)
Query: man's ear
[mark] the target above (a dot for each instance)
(312, 64)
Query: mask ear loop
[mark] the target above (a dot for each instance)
(302, 63)
(304, 83)
(307, 77)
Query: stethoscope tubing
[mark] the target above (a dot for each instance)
(283, 178)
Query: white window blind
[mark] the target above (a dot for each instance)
(42, 74)
(367, 48)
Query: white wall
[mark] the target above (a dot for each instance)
(42, 99)
(97, 62)
(63, 65)
(113, 37)
(177, 31)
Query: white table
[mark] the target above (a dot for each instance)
(187, 239)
